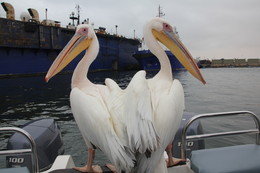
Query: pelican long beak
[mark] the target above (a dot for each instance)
(171, 41)
(75, 46)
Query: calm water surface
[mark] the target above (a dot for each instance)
(25, 99)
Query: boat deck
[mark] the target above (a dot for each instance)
(175, 169)
(104, 169)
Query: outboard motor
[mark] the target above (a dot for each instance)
(47, 137)
(194, 129)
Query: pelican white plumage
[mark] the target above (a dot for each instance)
(167, 96)
(99, 110)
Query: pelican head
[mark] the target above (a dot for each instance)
(79, 42)
(164, 33)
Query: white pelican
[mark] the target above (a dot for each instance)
(121, 122)
(99, 110)
(167, 96)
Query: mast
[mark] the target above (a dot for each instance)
(78, 10)
(46, 11)
(160, 13)
(72, 17)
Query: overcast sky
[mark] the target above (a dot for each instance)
(208, 28)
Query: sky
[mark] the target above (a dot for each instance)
(210, 29)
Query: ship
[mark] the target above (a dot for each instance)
(149, 61)
(29, 46)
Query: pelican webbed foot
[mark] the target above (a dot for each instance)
(94, 168)
(175, 162)
(112, 168)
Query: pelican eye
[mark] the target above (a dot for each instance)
(167, 27)
(83, 31)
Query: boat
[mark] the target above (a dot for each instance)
(42, 139)
(29, 46)
(189, 142)
(148, 61)
(204, 63)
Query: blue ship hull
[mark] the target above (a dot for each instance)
(148, 61)
(28, 48)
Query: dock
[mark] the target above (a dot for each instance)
(215, 63)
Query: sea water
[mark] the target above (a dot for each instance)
(28, 98)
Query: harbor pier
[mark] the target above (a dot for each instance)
(215, 63)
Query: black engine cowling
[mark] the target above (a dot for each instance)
(47, 137)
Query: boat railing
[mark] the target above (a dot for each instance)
(186, 138)
(32, 150)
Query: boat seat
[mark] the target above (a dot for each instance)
(15, 170)
(232, 159)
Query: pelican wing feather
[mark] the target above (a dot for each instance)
(139, 116)
(132, 114)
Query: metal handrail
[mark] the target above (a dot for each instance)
(33, 150)
(184, 137)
